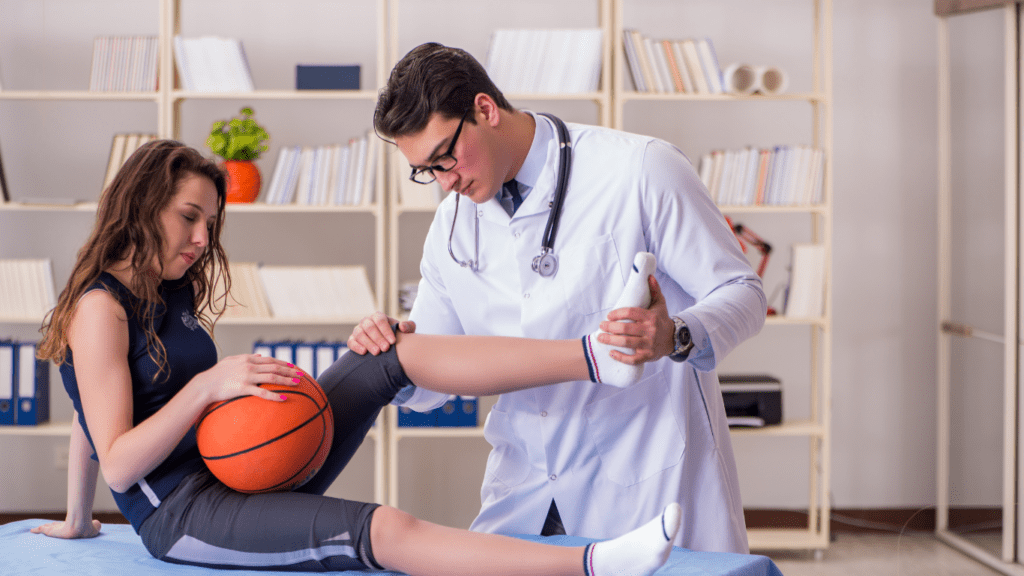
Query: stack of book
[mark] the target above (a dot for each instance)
(212, 64)
(338, 174)
(545, 61)
(687, 66)
(779, 176)
(247, 298)
(317, 292)
(299, 292)
(124, 64)
(26, 289)
(121, 147)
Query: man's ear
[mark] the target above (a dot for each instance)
(488, 109)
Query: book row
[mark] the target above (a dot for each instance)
(124, 64)
(548, 61)
(24, 385)
(26, 288)
(212, 64)
(299, 292)
(687, 66)
(779, 176)
(337, 174)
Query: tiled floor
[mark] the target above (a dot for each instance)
(868, 554)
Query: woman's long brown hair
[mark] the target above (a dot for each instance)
(128, 226)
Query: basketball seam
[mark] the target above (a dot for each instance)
(321, 410)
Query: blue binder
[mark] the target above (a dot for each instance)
(469, 409)
(263, 349)
(408, 418)
(448, 413)
(6, 383)
(33, 389)
(284, 350)
(305, 357)
(324, 354)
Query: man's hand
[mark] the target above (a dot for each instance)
(373, 334)
(651, 333)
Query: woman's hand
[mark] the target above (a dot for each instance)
(240, 375)
(69, 530)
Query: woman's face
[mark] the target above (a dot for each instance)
(187, 221)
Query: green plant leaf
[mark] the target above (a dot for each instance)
(239, 138)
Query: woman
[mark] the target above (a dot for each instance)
(139, 370)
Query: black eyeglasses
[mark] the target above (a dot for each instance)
(444, 162)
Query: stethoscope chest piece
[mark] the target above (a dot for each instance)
(545, 264)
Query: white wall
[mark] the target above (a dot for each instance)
(885, 180)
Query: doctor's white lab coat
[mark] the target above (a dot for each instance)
(611, 458)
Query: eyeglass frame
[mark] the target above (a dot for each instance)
(448, 154)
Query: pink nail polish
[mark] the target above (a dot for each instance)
(283, 397)
(290, 365)
(296, 380)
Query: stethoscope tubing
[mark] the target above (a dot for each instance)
(554, 210)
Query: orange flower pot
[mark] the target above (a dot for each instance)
(243, 180)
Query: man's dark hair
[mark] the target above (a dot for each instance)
(431, 78)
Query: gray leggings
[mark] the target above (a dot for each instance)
(204, 523)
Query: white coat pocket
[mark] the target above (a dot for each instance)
(507, 463)
(635, 431)
(592, 275)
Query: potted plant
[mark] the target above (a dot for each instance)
(239, 141)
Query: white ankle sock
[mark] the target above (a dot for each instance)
(637, 294)
(638, 553)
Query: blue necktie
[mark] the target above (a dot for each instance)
(513, 189)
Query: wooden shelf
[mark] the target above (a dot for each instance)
(256, 207)
(786, 539)
(48, 429)
(792, 96)
(278, 95)
(78, 95)
(798, 428)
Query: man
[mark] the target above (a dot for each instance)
(584, 458)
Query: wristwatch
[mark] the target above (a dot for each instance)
(682, 339)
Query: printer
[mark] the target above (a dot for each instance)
(751, 400)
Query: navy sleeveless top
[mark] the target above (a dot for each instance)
(190, 350)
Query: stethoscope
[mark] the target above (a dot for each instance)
(545, 263)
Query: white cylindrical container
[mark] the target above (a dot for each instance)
(771, 80)
(740, 79)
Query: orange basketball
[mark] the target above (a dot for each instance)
(254, 445)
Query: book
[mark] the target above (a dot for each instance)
(673, 66)
(658, 68)
(806, 281)
(709, 62)
(685, 74)
(694, 65)
(632, 61)
(247, 298)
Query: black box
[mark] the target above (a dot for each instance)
(751, 400)
(326, 77)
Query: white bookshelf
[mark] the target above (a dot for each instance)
(170, 116)
(816, 427)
